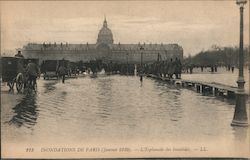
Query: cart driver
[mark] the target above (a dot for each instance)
(32, 72)
(19, 54)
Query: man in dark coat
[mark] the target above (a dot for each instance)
(62, 71)
(178, 68)
(32, 72)
(171, 68)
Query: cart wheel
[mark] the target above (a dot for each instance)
(11, 85)
(19, 82)
(19, 86)
(35, 87)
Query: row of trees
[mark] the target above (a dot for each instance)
(218, 56)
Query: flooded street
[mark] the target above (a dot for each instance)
(117, 110)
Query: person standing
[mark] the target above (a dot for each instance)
(62, 71)
(178, 68)
(165, 69)
(232, 69)
(171, 68)
(32, 72)
(175, 64)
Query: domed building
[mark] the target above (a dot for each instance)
(104, 49)
(105, 35)
(104, 42)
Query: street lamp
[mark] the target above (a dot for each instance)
(127, 63)
(240, 113)
(141, 72)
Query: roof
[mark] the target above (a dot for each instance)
(34, 46)
(146, 46)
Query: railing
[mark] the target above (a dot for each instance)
(216, 89)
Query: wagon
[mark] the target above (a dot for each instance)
(73, 69)
(13, 72)
(49, 69)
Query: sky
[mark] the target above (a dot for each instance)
(195, 25)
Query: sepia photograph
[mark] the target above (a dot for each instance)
(125, 79)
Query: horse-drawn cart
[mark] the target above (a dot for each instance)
(13, 72)
(49, 69)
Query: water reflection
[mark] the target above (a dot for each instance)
(172, 103)
(25, 111)
(105, 98)
(49, 87)
(176, 108)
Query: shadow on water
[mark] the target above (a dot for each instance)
(25, 111)
(141, 84)
(173, 103)
(105, 98)
(49, 86)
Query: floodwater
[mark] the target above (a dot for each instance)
(117, 110)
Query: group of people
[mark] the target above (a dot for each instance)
(163, 68)
(166, 68)
(31, 72)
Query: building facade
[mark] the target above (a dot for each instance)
(104, 49)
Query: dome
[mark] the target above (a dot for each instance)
(105, 31)
(105, 35)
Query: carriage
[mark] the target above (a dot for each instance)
(13, 72)
(73, 69)
(49, 69)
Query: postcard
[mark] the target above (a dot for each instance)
(125, 79)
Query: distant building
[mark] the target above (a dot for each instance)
(104, 49)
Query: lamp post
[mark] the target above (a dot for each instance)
(127, 63)
(141, 70)
(240, 113)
